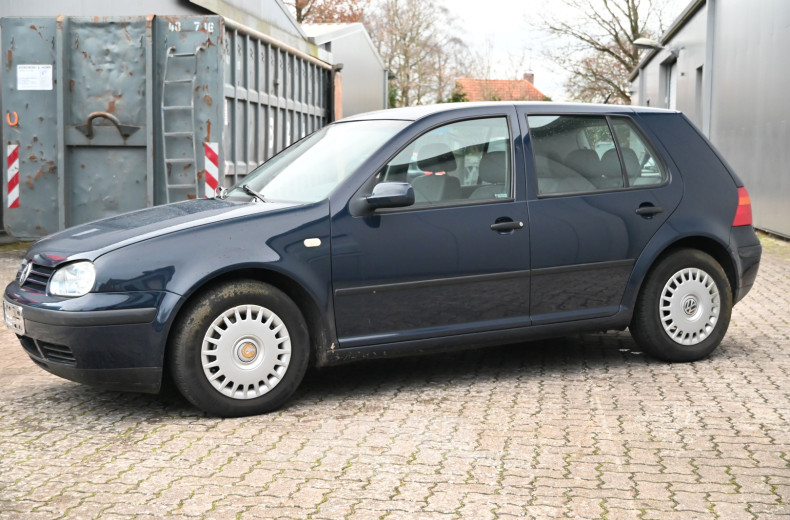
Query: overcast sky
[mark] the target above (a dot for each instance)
(504, 25)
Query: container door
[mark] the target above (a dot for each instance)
(30, 120)
(107, 106)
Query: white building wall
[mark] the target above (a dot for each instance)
(750, 111)
(732, 83)
(363, 73)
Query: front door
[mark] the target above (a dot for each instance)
(437, 268)
(598, 193)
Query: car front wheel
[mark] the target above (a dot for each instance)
(239, 349)
(684, 307)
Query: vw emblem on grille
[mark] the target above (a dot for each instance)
(690, 305)
(25, 273)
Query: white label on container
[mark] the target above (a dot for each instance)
(34, 77)
(227, 119)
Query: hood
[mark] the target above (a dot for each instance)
(93, 239)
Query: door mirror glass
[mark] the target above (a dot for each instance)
(391, 195)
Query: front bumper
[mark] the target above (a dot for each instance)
(111, 340)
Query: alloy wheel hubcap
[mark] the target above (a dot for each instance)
(245, 352)
(689, 307)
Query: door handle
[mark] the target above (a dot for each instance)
(507, 225)
(648, 210)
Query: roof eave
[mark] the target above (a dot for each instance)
(690, 10)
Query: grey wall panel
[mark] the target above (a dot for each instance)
(750, 116)
(689, 45)
(364, 79)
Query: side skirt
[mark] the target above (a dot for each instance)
(336, 356)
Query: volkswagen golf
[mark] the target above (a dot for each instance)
(401, 232)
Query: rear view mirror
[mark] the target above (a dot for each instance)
(391, 195)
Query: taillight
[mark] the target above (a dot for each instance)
(743, 215)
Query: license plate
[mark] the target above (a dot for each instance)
(13, 317)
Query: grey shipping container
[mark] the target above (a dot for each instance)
(106, 115)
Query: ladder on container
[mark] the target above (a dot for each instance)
(174, 167)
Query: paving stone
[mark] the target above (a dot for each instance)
(577, 427)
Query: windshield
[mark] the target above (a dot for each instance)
(309, 170)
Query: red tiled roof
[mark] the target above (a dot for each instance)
(500, 89)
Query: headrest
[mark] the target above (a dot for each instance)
(610, 164)
(584, 161)
(632, 166)
(436, 157)
(630, 159)
(493, 168)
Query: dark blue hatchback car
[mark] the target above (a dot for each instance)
(399, 232)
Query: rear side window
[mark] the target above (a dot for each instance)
(576, 154)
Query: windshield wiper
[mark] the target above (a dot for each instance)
(250, 191)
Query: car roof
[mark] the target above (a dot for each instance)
(418, 112)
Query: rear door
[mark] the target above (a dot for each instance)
(597, 192)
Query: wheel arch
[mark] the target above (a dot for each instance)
(705, 243)
(318, 330)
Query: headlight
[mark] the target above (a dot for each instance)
(73, 279)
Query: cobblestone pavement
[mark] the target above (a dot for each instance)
(580, 427)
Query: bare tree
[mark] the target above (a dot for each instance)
(328, 11)
(600, 51)
(418, 43)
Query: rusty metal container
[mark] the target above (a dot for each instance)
(106, 115)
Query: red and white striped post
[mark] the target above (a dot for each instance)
(13, 176)
(211, 168)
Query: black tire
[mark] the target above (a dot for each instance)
(246, 352)
(684, 307)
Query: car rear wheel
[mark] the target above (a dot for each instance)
(239, 349)
(684, 307)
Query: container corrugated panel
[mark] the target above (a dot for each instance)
(120, 113)
(273, 98)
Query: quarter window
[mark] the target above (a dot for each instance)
(640, 161)
(458, 162)
(581, 154)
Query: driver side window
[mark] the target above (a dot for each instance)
(455, 163)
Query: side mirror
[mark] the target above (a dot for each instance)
(391, 195)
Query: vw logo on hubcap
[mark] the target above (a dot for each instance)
(689, 305)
